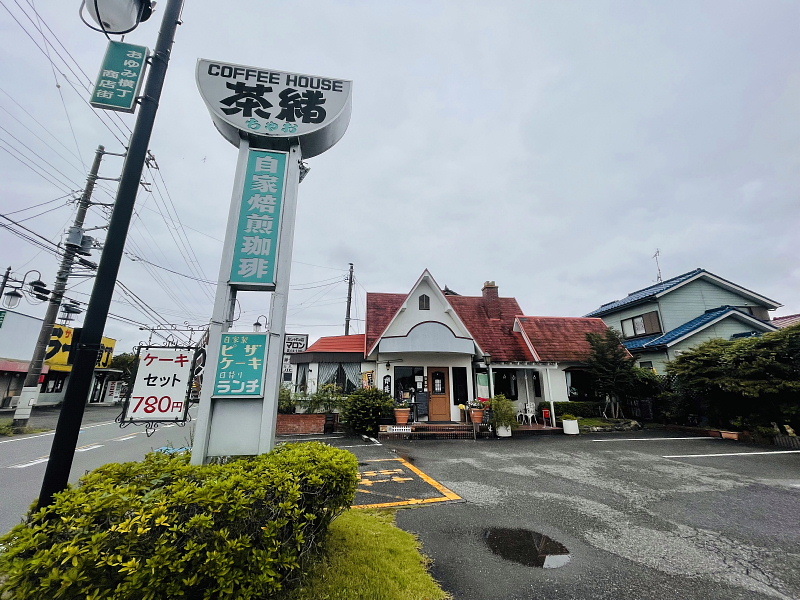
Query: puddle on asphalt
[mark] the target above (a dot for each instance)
(526, 547)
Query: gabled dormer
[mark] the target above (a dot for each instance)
(422, 321)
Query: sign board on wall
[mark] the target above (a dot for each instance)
(61, 348)
(294, 343)
(241, 365)
(120, 78)
(255, 252)
(161, 387)
(265, 103)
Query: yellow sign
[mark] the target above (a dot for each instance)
(61, 342)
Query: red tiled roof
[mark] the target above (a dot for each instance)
(339, 343)
(560, 339)
(380, 310)
(786, 320)
(495, 336)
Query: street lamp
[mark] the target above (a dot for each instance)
(68, 428)
(487, 358)
(36, 289)
(116, 16)
(257, 325)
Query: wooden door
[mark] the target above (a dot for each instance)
(439, 390)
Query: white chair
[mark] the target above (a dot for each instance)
(527, 414)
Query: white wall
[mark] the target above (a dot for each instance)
(18, 335)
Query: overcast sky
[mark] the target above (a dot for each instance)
(550, 146)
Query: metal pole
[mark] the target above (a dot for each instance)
(30, 388)
(5, 281)
(65, 440)
(349, 300)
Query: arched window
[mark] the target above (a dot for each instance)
(424, 302)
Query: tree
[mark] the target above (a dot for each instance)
(610, 365)
(127, 363)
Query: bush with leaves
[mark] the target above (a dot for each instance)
(364, 408)
(286, 403)
(163, 529)
(326, 399)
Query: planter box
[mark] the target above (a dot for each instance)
(301, 423)
(730, 435)
(570, 426)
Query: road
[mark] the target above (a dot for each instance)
(647, 516)
(23, 459)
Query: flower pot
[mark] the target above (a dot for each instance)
(503, 431)
(570, 426)
(402, 415)
(476, 415)
(730, 435)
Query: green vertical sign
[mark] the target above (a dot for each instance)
(120, 77)
(241, 365)
(256, 247)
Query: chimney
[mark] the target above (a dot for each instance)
(491, 300)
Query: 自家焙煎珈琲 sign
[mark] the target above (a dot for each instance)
(255, 252)
(120, 78)
(241, 365)
(275, 106)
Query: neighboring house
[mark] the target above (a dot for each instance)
(786, 321)
(663, 320)
(439, 349)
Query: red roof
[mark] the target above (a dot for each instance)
(786, 320)
(381, 308)
(557, 339)
(495, 336)
(339, 343)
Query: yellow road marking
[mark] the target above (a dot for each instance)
(447, 494)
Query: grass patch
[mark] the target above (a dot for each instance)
(594, 422)
(7, 429)
(369, 558)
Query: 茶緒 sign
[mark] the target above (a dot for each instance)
(266, 103)
(120, 78)
(160, 390)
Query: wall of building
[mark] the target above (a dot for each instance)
(693, 299)
(18, 335)
(724, 330)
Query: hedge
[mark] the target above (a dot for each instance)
(163, 529)
(579, 409)
(364, 408)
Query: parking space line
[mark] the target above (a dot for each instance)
(446, 494)
(694, 437)
(731, 454)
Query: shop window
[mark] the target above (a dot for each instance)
(505, 382)
(424, 302)
(408, 381)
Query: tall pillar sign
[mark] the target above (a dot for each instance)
(275, 119)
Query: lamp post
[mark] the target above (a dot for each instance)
(65, 439)
(257, 325)
(487, 358)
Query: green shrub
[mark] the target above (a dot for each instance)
(503, 412)
(327, 398)
(286, 404)
(163, 529)
(364, 408)
(579, 409)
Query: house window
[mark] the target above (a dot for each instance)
(424, 302)
(645, 324)
(647, 364)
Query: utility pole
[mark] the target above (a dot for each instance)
(5, 281)
(65, 440)
(349, 300)
(30, 389)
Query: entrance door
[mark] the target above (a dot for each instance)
(439, 390)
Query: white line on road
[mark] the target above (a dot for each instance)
(89, 447)
(694, 437)
(29, 464)
(731, 454)
(122, 439)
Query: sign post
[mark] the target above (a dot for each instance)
(275, 119)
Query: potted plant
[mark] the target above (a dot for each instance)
(504, 417)
(476, 409)
(402, 412)
(570, 424)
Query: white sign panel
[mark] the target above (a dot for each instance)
(275, 105)
(161, 385)
(294, 343)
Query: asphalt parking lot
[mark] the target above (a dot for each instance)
(648, 515)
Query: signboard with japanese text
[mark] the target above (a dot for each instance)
(255, 252)
(61, 348)
(120, 78)
(241, 365)
(266, 103)
(161, 387)
(294, 343)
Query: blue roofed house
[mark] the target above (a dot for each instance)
(663, 320)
